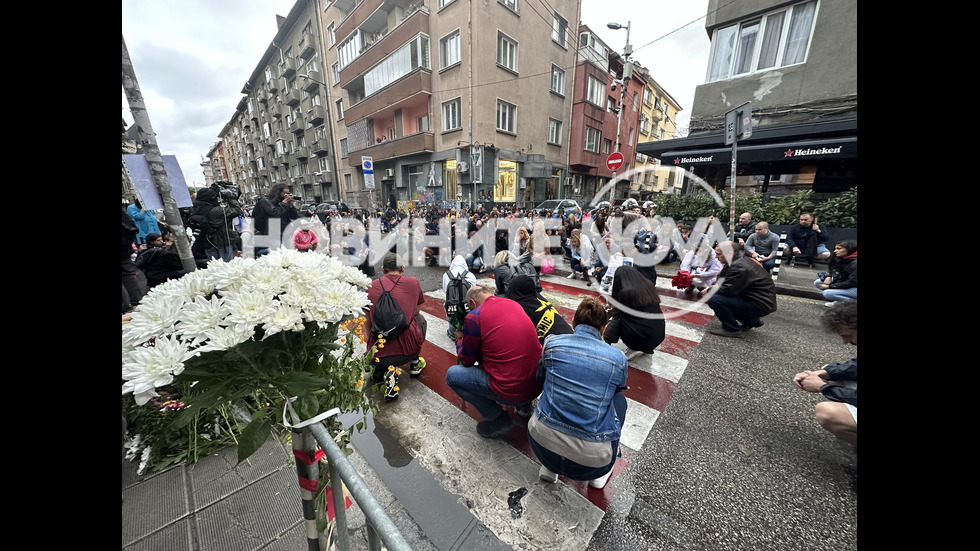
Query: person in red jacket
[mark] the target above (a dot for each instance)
(402, 351)
(499, 336)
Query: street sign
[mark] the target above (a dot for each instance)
(738, 123)
(367, 164)
(615, 161)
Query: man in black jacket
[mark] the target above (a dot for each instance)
(278, 203)
(837, 381)
(746, 292)
(807, 240)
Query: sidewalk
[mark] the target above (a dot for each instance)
(218, 505)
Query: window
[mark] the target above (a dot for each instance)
(588, 40)
(557, 80)
(647, 96)
(449, 49)
(559, 27)
(331, 36)
(762, 43)
(423, 123)
(554, 131)
(340, 109)
(611, 104)
(512, 4)
(592, 139)
(644, 124)
(323, 164)
(595, 91)
(506, 52)
(444, 3)
(266, 130)
(450, 115)
(606, 146)
(406, 59)
(343, 148)
(347, 181)
(506, 117)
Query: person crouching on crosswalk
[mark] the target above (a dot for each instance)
(577, 424)
(499, 336)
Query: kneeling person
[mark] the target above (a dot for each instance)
(404, 348)
(577, 425)
(499, 335)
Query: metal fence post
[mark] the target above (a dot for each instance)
(779, 255)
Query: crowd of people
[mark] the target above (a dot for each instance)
(514, 349)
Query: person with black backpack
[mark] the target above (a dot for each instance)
(396, 325)
(455, 282)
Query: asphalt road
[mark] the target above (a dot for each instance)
(736, 461)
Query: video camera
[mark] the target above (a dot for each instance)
(226, 190)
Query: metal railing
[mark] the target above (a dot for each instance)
(379, 525)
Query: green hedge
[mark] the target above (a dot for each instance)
(839, 210)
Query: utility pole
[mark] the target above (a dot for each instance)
(147, 139)
(627, 76)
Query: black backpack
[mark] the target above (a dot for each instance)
(388, 320)
(456, 299)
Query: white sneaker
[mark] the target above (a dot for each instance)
(547, 475)
(571, 275)
(601, 481)
(630, 354)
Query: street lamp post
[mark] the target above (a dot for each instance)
(627, 75)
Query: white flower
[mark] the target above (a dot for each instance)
(155, 316)
(199, 318)
(223, 338)
(228, 277)
(352, 275)
(248, 308)
(149, 367)
(333, 301)
(285, 318)
(266, 278)
(144, 459)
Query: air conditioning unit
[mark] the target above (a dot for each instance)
(462, 167)
(389, 173)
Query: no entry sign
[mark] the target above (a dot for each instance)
(614, 161)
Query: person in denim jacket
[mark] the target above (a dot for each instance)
(576, 426)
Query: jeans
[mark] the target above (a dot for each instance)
(473, 385)
(225, 253)
(769, 264)
(730, 310)
(834, 295)
(558, 464)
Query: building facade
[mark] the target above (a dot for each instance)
(447, 99)
(658, 122)
(606, 111)
(795, 64)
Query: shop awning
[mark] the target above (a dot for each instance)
(783, 151)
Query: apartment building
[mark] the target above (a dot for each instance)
(606, 111)
(795, 63)
(452, 102)
(658, 121)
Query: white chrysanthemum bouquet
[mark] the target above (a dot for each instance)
(249, 332)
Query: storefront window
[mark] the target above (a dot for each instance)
(449, 179)
(506, 181)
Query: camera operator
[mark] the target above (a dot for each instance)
(278, 203)
(216, 208)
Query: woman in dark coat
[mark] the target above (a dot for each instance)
(636, 317)
(841, 282)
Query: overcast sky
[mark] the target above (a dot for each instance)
(192, 58)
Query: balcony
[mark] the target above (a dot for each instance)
(292, 98)
(262, 96)
(408, 88)
(272, 85)
(312, 83)
(320, 147)
(316, 114)
(298, 126)
(307, 45)
(423, 142)
(301, 153)
(396, 37)
(288, 67)
(656, 115)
